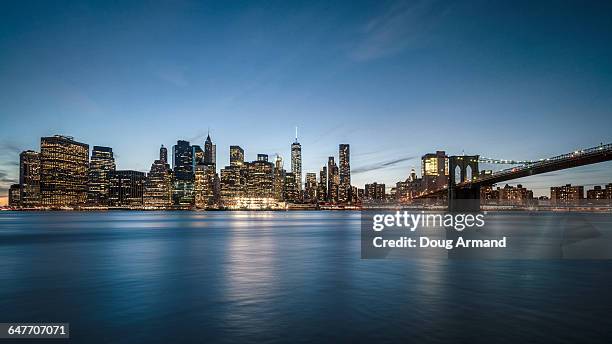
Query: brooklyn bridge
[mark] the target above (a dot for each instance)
(465, 181)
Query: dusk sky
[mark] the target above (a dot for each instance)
(395, 80)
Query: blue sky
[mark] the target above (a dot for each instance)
(517, 80)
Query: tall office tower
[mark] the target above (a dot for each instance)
(101, 164)
(296, 161)
(29, 179)
(163, 154)
(260, 178)
(236, 156)
(344, 169)
(310, 191)
(210, 153)
(434, 170)
(291, 192)
(63, 171)
(126, 189)
(322, 193)
(279, 179)
(333, 180)
(183, 175)
(158, 186)
(183, 161)
(198, 156)
(204, 186)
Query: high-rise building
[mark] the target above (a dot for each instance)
(210, 153)
(375, 191)
(182, 195)
(198, 156)
(566, 193)
(434, 170)
(322, 192)
(101, 164)
(29, 179)
(310, 190)
(64, 164)
(163, 154)
(158, 185)
(291, 192)
(279, 179)
(236, 156)
(14, 196)
(204, 186)
(296, 161)
(344, 172)
(182, 161)
(260, 178)
(333, 180)
(126, 188)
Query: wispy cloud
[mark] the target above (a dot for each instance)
(381, 165)
(403, 25)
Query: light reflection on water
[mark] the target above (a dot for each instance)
(277, 277)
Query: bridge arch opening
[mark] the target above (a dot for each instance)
(468, 173)
(457, 173)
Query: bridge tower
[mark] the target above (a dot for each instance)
(463, 198)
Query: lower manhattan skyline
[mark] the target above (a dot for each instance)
(370, 74)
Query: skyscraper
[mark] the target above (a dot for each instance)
(296, 162)
(344, 169)
(64, 164)
(158, 185)
(198, 156)
(291, 192)
(163, 154)
(183, 175)
(260, 178)
(102, 162)
(210, 153)
(204, 186)
(126, 188)
(236, 155)
(434, 170)
(29, 179)
(279, 179)
(322, 192)
(333, 180)
(310, 191)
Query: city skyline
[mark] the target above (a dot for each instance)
(396, 80)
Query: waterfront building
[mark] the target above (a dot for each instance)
(101, 164)
(333, 180)
(596, 193)
(310, 190)
(64, 165)
(566, 193)
(233, 181)
(291, 192)
(260, 178)
(344, 173)
(14, 196)
(158, 185)
(126, 189)
(182, 195)
(375, 192)
(29, 179)
(296, 162)
(322, 192)
(204, 187)
(514, 195)
(434, 170)
(279, 179)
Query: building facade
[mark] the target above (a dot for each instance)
(126, 189)
(29, 179)
(344, 173)
(101, 164)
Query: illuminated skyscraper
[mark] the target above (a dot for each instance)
(198, 156)
(63, 178)
(291, 192)
(158, 185)
(163, 154)
(322, 192)
(333, 180)
(310, 190)
(210, 153)
(236, 156)
(204, 186)
(29, 179)
(260, 178)
(296, 162)
(126, 189)
(102, 162)
(434, 170)
(375, 192)
(14, 196)
(183, 175)
(344, 172)
(279, 179)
